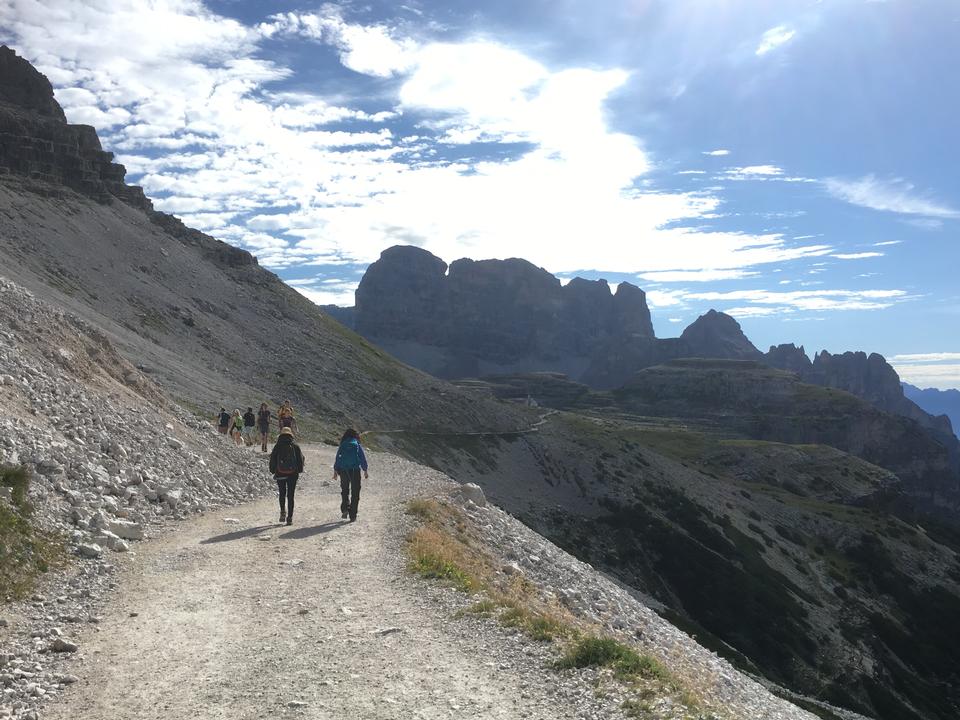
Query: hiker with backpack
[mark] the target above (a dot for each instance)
(348, 464)
(263, 425)
(236, 427)
(286, 464)
(249, 423)
(223, 421)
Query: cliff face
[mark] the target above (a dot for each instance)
(869, 377)
(37, 142)
(478, 316)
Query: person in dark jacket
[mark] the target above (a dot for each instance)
(263, 425)
(286, 464)
(249, 423)
(348, 464)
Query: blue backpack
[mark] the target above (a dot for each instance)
(348, 456)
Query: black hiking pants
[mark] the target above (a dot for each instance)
(287, 485)
(349, 491)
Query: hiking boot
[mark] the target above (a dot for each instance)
(353, 518)
(344, 515)
(290, 520)
(283, 516)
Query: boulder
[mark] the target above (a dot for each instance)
(473, 493)
(126, 529)
(89, 550)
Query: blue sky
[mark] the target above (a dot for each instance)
(792, 163)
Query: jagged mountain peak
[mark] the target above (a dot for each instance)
(25, 87)
(717, 335)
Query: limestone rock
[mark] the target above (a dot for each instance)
(63, 645)
(486, 314)
(473, 493)
(90, 550)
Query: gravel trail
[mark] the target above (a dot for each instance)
(250, 619)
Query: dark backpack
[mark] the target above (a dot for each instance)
(287, 463)
(224, 419)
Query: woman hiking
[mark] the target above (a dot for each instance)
(263, 425)
(286, 464)
(285, 416)
(236, 427)
(348, 464)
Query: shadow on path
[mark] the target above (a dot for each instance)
(302, 533)
(236, 534)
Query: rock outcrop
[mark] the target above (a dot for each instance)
(869, 377)
(788, 357)
(477, 317)
(717, 335)
(37, 142)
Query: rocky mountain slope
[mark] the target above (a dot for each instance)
(798, 562)
(197, 315)
(936, 402)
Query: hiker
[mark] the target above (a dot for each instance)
(263, 425)
(236, 427)
(249, 426)
(223, 421)
(350, 461)
(286, 464)
(285, 416)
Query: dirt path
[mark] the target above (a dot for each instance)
(241, 620)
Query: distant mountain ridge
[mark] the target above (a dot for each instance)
(492, 317)
(936, 402)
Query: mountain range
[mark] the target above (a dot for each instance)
(797, 516)
(936, 402)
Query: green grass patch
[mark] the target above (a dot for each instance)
(541, 626)
(438, 557)
(18, 480)
(422, 508)
(26, 552)
(627, 663)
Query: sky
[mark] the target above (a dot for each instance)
(792, 163)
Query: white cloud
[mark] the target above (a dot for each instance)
(772, 302)
(943, 377)
(696, 275)
(692, 172)
(774, 38)
(212, 136)
(926, 357)
(367, 49)
(751, 172)
(717, 153)
(887, 242)
(326, 293)
(856, 256)
(895, 195)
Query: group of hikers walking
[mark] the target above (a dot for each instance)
(286, 458)
(244, 428)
